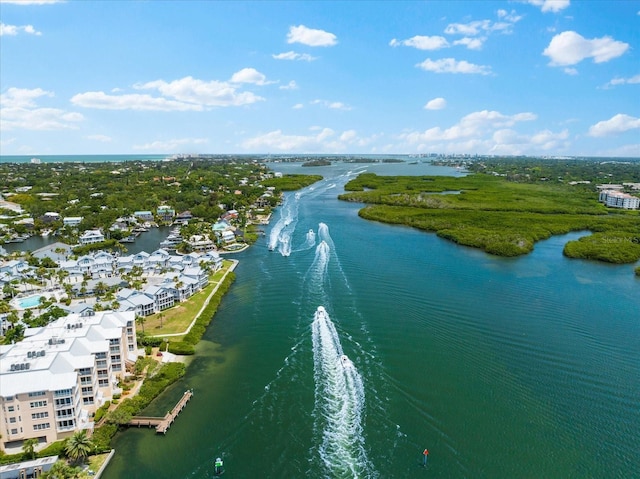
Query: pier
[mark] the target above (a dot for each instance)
(162, 424)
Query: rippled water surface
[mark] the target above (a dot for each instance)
(502, 368)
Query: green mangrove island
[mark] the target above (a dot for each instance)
(501, 216)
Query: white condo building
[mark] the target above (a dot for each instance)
(618, 199)
(53, 380)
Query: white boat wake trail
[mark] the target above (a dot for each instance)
(339, 394)
(280, 236)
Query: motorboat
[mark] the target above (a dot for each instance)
(345, 361)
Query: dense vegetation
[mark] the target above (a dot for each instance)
(501, 217)
(566, 170)
(102, 192)
(291, 182)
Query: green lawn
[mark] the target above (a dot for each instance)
(178, 318)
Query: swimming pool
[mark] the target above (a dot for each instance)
(29, 301)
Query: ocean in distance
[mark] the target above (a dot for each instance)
(501, 367)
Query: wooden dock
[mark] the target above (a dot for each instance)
(162, 424)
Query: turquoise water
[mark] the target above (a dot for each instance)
(502, 368)
(29, 301)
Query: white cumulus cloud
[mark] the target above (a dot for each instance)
(550, 5)
(190, 93)
(451, 65)
(249, 75)
(471, 43)
(319, 139)
(624, 81)
(15, 29)
(570, 48)
(131, 101)
(474, 125)
(291, 55)
(20, 111)
(292, 85)
(332, 105)
(422, 42)
(436, 104)
(616, 124)
(311, 37)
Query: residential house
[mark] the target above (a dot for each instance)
(91, 237)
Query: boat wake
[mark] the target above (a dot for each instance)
(339, 404)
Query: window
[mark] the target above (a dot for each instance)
(67, 423)
(44, 425)
(40, 415)
(101, 355)
(36, 404)
(84, 371)
(10, 409)
(87, 400)
(64, 413)
(37, 394)
(87, 390)
(14, 431)
(12, 420)
(103, 383)
(63, 392)
(63, 402)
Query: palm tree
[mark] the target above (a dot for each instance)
(78, 446)
(61, 470)
(140, 320)
(29, 447)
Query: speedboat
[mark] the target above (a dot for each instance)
(345, 361)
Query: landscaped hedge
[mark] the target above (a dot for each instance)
(182, 348)
(200, 326)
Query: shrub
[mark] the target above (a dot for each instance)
(53, 449)
(182, 348)
(102, 435)
(148, 350)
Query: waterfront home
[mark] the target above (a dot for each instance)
(143, 215)
(54, 380)
(162, 297)
(198, 274)
(138, 302)
(91, 237)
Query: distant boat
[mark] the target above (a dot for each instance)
(218, 468)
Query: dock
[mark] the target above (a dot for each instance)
(162, 424)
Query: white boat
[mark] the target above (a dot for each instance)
(345, 361)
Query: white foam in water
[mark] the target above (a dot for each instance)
(280, 236)
(340, 401)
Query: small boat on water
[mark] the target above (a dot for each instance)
(218, 468)
(345, 361)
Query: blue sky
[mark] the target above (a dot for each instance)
(532, 77)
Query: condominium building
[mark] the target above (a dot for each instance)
(618, 199)
(53, 380)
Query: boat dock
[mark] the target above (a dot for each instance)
(162, 424)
